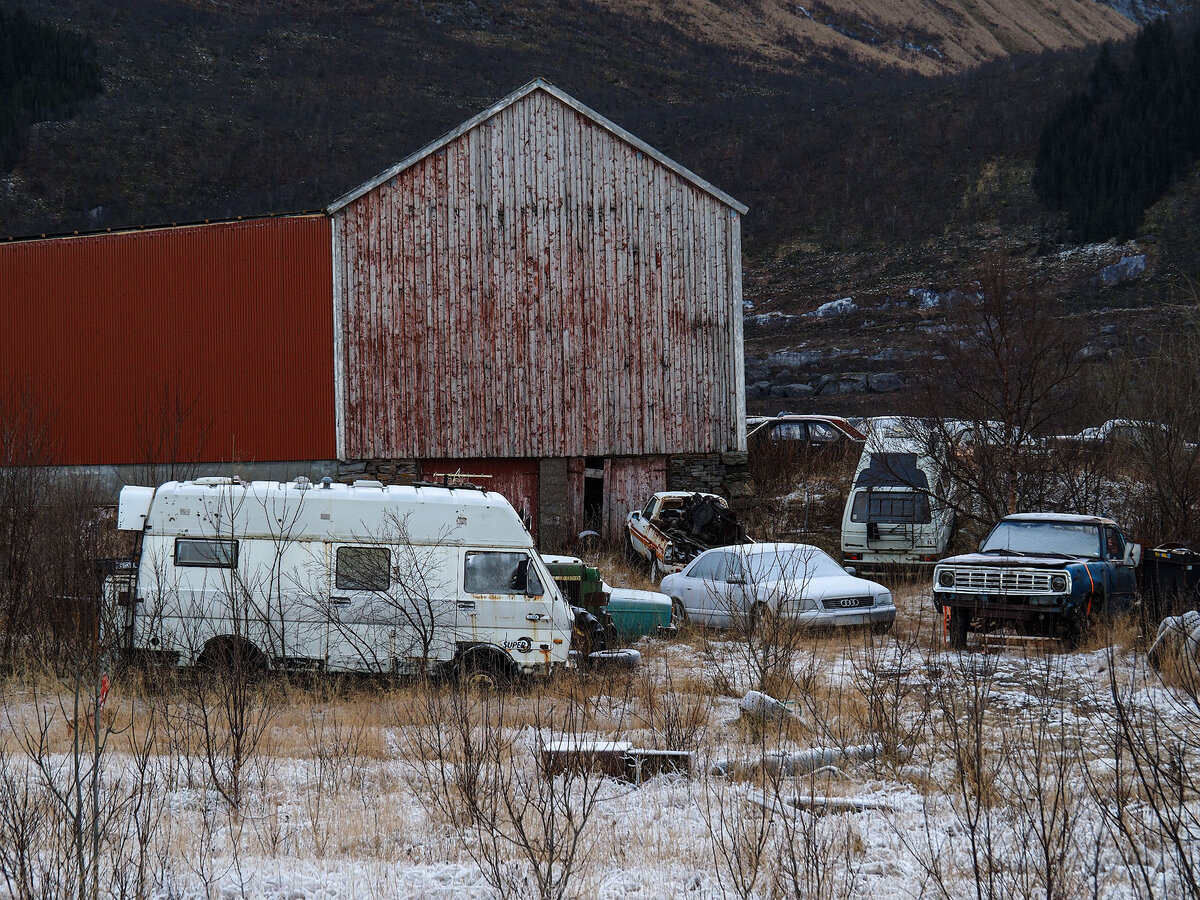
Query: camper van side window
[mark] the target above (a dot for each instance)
(500, 573)
(213, 554)
(363, 569)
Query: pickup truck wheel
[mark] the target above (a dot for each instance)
(679, 616)
(1074, 630)
(631, 555)
(960, 624)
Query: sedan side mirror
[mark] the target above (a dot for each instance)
(1133, 555)
(850, 570)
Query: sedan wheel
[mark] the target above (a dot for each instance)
(679, 616)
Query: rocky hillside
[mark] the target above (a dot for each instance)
(882, 145)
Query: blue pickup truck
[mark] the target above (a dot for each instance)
(1043, 573)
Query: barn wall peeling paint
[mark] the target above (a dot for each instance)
(538, 287)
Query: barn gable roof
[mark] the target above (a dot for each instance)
(538, 84)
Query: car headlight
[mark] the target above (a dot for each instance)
(1058, 583)
(946, 578)
(884, 599)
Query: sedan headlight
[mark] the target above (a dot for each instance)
(946, 578)
(1058, 583)
(884, 599)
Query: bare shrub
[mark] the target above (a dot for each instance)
(678, 720)
(525, 825)
(1148, 801)
(1004, 376)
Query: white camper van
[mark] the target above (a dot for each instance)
(891, 516)
(344, 578)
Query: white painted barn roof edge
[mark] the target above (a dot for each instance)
(584, 110)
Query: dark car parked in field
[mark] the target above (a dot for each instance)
(801, 432)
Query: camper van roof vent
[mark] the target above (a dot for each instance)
(326, 483)
(303, 483)
(215, 480)
(368, 483)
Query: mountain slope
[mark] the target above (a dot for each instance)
(213, 110)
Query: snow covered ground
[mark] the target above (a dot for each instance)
(1011, 772)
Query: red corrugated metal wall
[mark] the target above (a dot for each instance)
(539, 287)
(206, 343)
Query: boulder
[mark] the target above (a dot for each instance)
(1129, 268)
(847, 383)
(790, 358)
(794, 391)
(839, 307)
(885, 382)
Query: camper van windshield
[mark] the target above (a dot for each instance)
(500, 573)
(891, 508)
(892, 470)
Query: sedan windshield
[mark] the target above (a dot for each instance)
(1049, 538)
(793, 564)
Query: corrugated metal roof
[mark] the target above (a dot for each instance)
(538, 84)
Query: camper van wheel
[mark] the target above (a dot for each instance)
(484, 670)
(231, 655)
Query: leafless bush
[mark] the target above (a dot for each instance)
(677, 720)
(816, 854)
(888, 676)
(1005, 378)
(1148, 801)
(526, 826)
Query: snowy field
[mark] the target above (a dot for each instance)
(1010, 771)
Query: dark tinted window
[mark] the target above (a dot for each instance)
(891, 508)
(892, 470)
(217, 554)
(363, 569)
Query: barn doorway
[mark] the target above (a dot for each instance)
(593, 494)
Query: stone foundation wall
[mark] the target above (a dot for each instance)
(553, 510)
(389, 471)
(715, 473)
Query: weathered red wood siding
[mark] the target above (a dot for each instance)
(202, 343)
(538, 287)
(516, 479)
(628, 484)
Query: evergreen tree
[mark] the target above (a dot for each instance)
(1113, 149)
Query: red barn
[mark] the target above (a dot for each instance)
(538, 296)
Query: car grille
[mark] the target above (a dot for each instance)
(1003, 581)
(847, 602)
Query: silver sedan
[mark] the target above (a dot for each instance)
(741, 584)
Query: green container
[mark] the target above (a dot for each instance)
(635, 613)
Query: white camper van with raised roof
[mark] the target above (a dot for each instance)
(335, 577)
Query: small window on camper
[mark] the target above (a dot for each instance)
(489, 572)
(891, 508)
(214, 554)
(363, 569)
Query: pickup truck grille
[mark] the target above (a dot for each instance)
(1002, 581)
(847, 602)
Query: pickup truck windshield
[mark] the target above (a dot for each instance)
(1051, 538)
